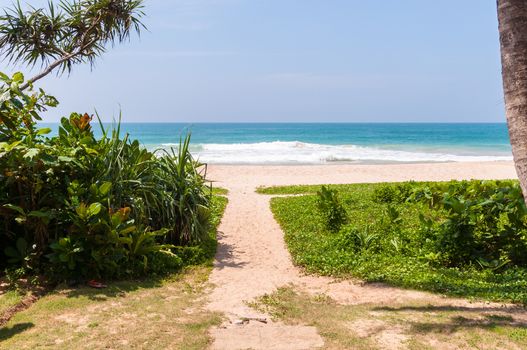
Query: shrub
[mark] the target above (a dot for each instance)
(331, 208)
(385, 194)
(472, 241)
(91, 207)
(357, 240)
(481, 223)
(161, 262)
(485, 222)
(405, 190)
(389, 193)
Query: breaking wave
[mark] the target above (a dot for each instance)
(308, 153)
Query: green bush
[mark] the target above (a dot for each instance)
(485, 224)
(466, 238)
(331, 208)
(385, 194)
(393, 193)
(357, 240)
(483, 221)
(162, 262)
(90, 207)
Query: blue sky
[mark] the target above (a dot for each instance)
(297, 61)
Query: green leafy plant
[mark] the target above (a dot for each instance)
(69, 33)
(487, 228)
(94, 207)
(87, 206)
(67, 253)
(393, 193)
(331, 208)
(362, 239)
(18, 254)
(385, 194)
(393, 215)
(464, 238)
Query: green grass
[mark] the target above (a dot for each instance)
(152, 313)
(284, 190)
(320, 251)
(313, 189)
(8, 299)
(411, 325)
(218, 205)
(218, 191)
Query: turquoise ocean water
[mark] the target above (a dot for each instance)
(329, 143)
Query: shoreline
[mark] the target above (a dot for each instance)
(235, 176)
(343, 163)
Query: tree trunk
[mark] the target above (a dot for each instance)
(512, 17)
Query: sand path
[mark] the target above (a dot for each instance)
(252, 258)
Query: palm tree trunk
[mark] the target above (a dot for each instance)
(512, 17)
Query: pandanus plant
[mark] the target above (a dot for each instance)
(66, 34)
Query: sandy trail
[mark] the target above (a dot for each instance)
(252, 258)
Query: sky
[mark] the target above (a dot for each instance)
(295, 61)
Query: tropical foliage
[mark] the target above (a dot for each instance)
(464, 238)
(73, 205)
(331, 208)
(66, 34)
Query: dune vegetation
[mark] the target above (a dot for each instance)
(464, 238)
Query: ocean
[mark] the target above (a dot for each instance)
(328, 143)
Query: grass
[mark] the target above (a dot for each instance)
(411, 325)
(154, 313)
(218, 191)
(300, 189)
(320, 251)
(8, 299)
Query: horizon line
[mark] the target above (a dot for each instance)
(291, 122)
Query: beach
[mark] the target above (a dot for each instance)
(252, 176)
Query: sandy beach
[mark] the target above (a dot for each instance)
(252, 258)
(247, 176)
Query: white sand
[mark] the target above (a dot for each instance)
(251, 176)
(252, 258)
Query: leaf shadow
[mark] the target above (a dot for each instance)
(462, 318)
(8, 332)
(114, 290)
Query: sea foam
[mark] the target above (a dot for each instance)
(297, 152)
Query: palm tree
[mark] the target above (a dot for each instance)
(512, 17)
